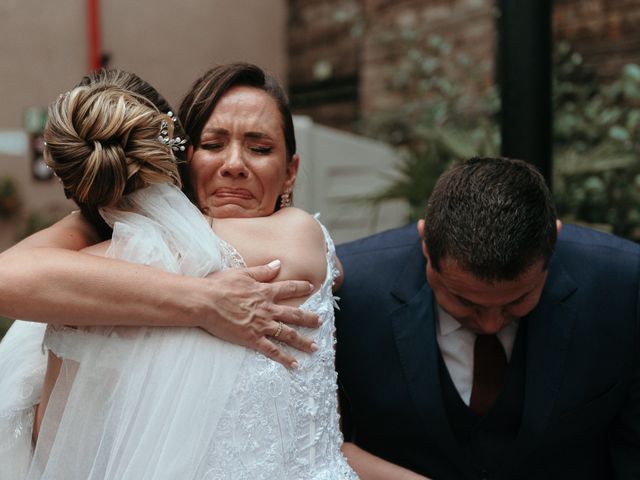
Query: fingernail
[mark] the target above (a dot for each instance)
(311, 287)
(314, 347)
(319, 322)
(294, 365)
(274, 264)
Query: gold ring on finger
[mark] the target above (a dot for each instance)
(275, 335)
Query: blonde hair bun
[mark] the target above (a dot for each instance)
(102, 142)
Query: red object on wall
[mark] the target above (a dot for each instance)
(93, 24)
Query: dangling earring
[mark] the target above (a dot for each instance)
(285, 198)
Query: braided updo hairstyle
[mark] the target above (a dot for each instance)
(102, 141)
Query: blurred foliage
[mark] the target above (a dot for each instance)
(446, 112)
(9, 198)
(597, 145)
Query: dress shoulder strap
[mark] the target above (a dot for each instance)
(332, 267)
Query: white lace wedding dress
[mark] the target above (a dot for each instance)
(174, 403)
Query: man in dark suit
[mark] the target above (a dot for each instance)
(517, 355)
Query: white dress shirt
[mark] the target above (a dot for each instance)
(456, 345)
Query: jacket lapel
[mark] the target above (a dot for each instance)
(413, 324)
(548, 333)
(549, 330)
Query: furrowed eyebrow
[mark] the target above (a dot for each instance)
(257, 135)
(215, 131)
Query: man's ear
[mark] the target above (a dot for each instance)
(421, 225)
(558, 226)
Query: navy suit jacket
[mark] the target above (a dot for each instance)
(581, 416)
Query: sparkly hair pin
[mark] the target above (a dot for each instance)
(177, 144)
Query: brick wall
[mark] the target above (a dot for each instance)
(467, 25)
(340, 51)
(324, 64)
(605, 32)
(341, 39)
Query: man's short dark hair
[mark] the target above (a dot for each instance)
(495, 217)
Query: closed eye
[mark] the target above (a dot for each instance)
(261, 150)
(211, 145)
(518, 300)
(464, 301)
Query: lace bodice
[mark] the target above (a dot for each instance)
(282, 424)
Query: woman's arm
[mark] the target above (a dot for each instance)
(41, 279)
(370, 467)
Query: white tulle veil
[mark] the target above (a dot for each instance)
(140, 403)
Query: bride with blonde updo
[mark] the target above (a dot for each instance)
(122, 402)
(102, 143)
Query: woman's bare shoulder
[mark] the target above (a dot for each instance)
(290, 235)
(284, 226)
(300, 224)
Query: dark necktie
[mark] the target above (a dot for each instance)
(489, 366)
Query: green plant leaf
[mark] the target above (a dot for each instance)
(618, 132)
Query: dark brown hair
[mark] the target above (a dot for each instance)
(495, 217)
(206, 92)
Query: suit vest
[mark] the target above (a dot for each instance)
(485, 440)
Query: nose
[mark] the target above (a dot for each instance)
(491, 320)
(234, 164)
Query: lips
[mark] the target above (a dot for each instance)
(241, 193)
